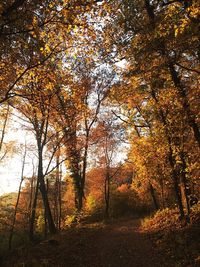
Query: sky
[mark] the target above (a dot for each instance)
(9, 176)
(11, 167)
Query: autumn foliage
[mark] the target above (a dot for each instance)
(108, 94)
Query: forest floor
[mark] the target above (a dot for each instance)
(120, 243)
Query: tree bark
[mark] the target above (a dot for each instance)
(175, 78)
(186, 192)
(186, 105)
(83, 176)
(4, 128)
(107, 194)
(172, 162)
(33, 212)
(153, 195)
(43, 190)
(176, 183)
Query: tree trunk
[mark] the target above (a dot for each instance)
(56, 196)
(77, 190)
(176, 183)
(161, 181)
(107, 195)
(51, 225)
(43, 190)
(153, 195)
(57, 189)
(172, 162)
(31, 197)
(186, 105)
(186, 192)
(175, 78)
(60, 199)
(84, 166)
(4, 128)
(33, 212)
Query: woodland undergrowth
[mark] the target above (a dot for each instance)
(177, 238)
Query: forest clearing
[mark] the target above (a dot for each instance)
(100, 133)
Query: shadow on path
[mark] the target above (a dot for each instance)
(119, 244)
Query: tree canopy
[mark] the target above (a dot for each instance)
(109, 92)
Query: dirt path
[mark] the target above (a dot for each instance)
(119, 244)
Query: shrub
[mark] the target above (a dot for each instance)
(162, 219)
(195, 214)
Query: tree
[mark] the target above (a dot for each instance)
(33, 33)
(79, 101)
(156, 35)
(37, 109)
(106, 149)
